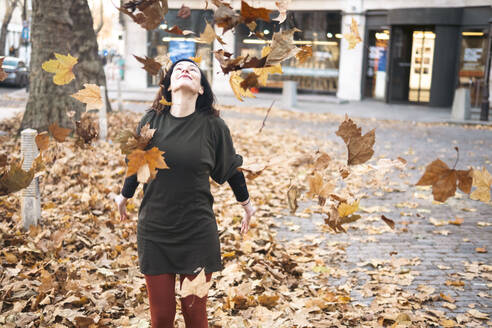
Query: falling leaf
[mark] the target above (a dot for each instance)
(197, 59)
(129, 140)
(225, 16)
(164, 102)
(87, 130)
(250, 14)
(176, 30)
(304, 54)
(353, 37)
(282, 8)
(282, 47)
(144, 164)
(317, 187)
(208, 35)
(150, 65)
(292, 195)
(483, 181)
(389, 222)
(235, 81)
(263, 72)
(91, 96)
(42, 140)
(3, 75)
(198, 286)
(443, 179)
(251, 81)
(15, 178)
(321, 161)
(150, 13)
(252, 171)
(62, 67)
(59, 133)
(359, 146)
(184, 12)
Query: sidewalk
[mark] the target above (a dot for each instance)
(370, 109)
(139, 100)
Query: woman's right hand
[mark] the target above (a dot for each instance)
(121, 203)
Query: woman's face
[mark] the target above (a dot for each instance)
(186, 75)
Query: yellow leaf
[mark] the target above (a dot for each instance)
(209, 35)
(165, 102)
(353, 37)
(91, 96)
(62, 67)
(235, 81)
(198, 286)
(345, 209)
(197, 59)
(482, 180)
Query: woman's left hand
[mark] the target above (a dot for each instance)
(249, 211)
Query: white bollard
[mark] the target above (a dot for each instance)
(31, 200)
(289, 94)
(118, 95)
(103, 120)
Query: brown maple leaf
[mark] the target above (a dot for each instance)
(42, 140)
(176, 30)
(304, 54)
(443, 179)
(282, 47)
(208, 35)
(225, 16)
(15, 178)
(150, 65)
(150, 13)
(129, 140)
(317, 187)
(359, 146)
(250, 14)
(58, 132)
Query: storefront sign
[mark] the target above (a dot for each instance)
(181, 49)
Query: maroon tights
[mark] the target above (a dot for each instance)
(162, 299)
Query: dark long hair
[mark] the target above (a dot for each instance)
(204, 103)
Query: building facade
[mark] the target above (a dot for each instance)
(411, 51)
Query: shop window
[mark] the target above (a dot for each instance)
(375, 84)
(177, 46)
(472, 64)
(320, 29)
(421, 66)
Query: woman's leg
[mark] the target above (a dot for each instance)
(162, 299)
(194, 308)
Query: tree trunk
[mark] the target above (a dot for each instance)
(5, 23)
(62, 27)
(51, 29)
(84, 44)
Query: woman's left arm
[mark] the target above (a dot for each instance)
(240, 189)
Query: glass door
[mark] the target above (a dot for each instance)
(421, 66)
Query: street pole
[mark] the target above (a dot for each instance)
(484, 111)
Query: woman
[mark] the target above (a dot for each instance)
(176, 230)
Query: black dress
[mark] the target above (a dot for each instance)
(177, 230)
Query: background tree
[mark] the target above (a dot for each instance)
(62, 27)
(7, 16)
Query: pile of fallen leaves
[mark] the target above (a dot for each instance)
(79, 267)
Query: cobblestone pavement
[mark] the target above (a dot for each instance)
(442, 252)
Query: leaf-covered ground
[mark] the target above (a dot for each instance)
(79, 267)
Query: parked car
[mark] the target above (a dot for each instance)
(17, 72)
